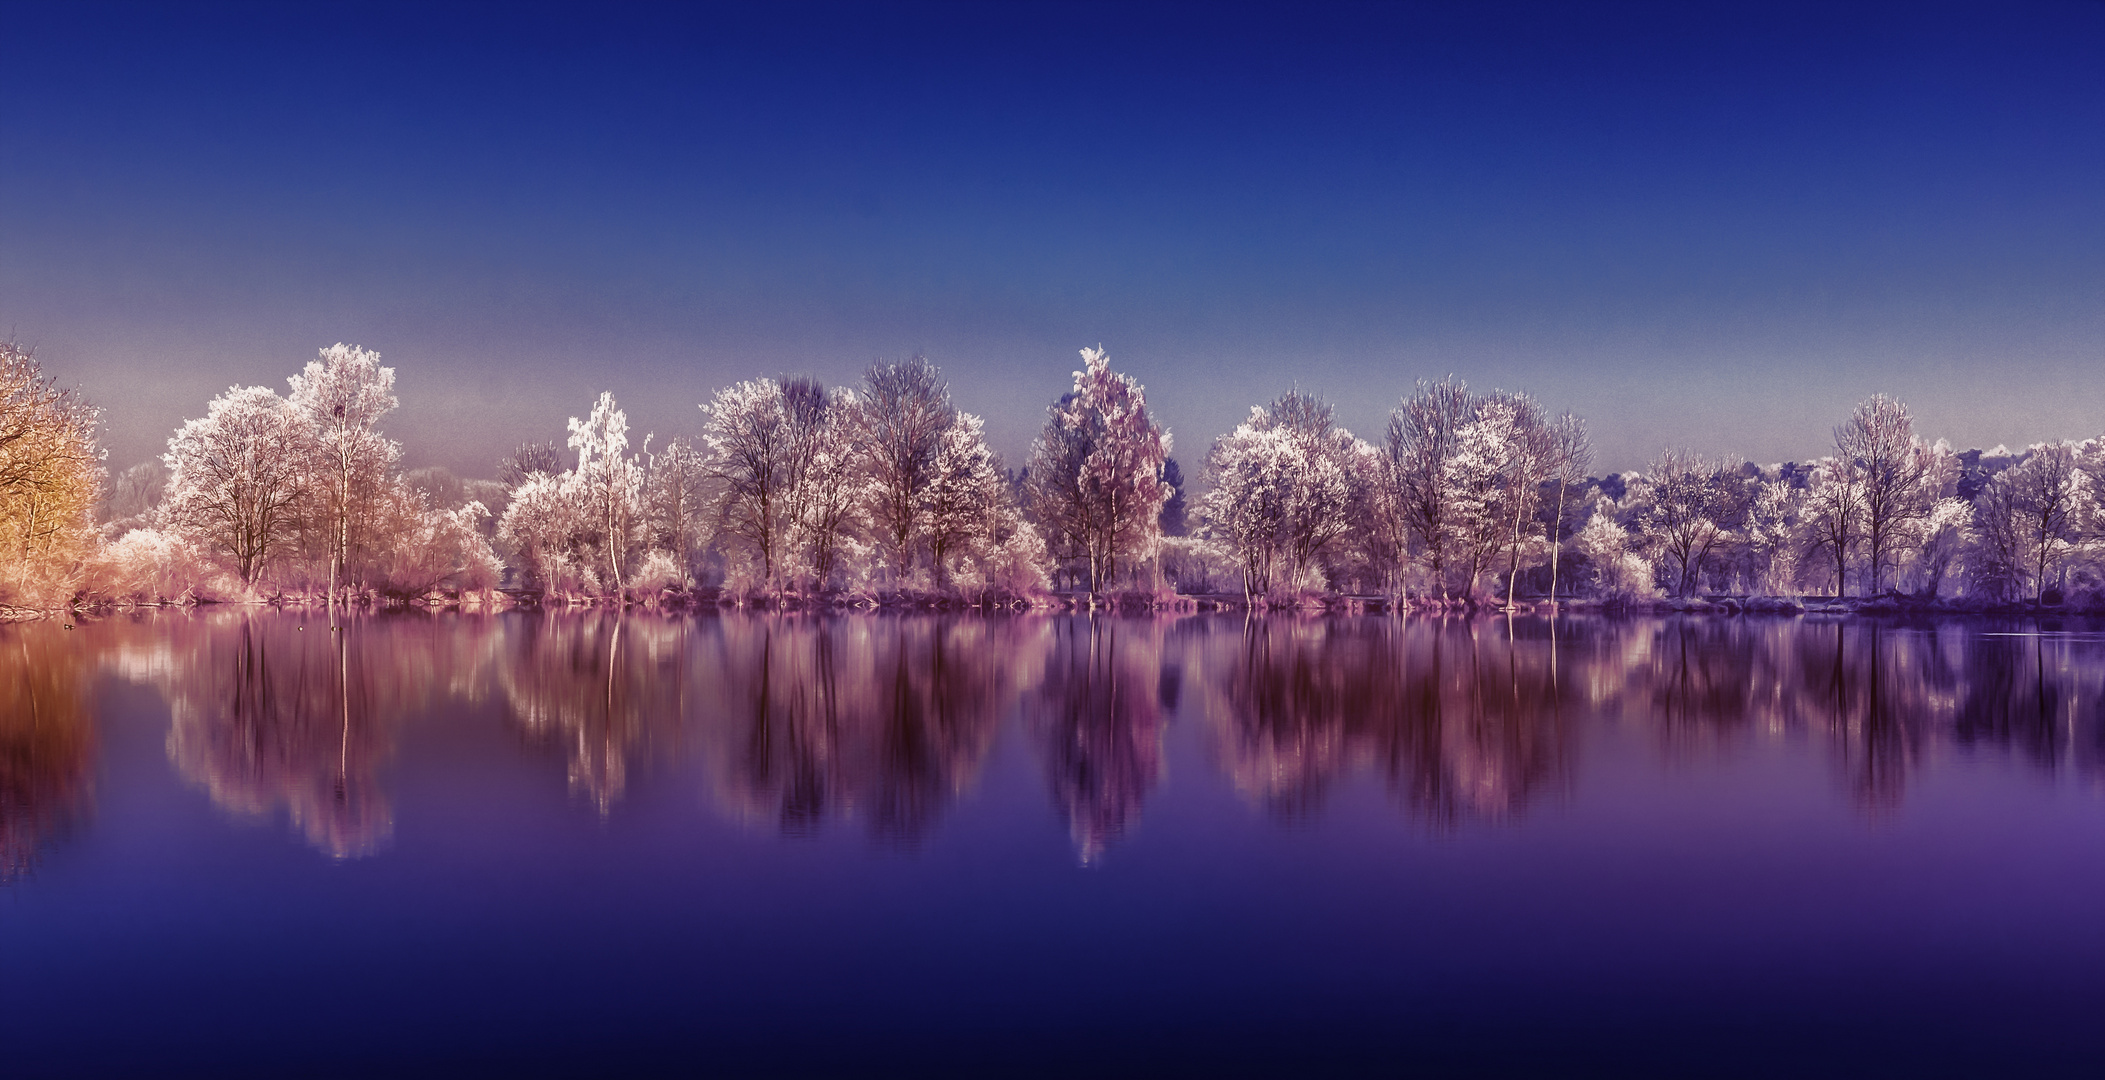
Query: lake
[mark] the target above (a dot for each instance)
(234, 842)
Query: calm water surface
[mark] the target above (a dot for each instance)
(233, 843)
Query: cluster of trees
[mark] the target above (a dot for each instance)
(793, 488)
(1887, 512)
(290, 493)
(1465, 490)
(1486, 497)
(886, 488)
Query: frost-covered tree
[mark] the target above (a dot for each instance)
(905, 410)
(1771, 534)
(237, 478)
(1689, 503)
(1324, 456)
(1281, 488)
(1502, 455)
(1609, 549)
(1945, 536)
(1423, 435)
(529, 458)
(1096, 470)
(51, 476)
(825, 474)
(676, 503)
(341, 397)
(542, 527)
(609, 482)
(964, 492)
(1896, 476)
(748, 436)
(1248, 477)
(2027, 519)
(1571, 454)
(1832, 511)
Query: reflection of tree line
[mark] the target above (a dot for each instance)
(885, 719)
(1880, 695)
(1458, 717)
(1098, 719)
(47, 741)
(274, 715)
(801, 720)
(271, 712)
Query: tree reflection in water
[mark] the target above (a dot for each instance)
(47, 740)
(798, 720)
(1098, 720)
(595, 684)
(270, 711)
(276, 714)
(886, 718)
(1462, 717)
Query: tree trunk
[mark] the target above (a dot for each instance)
(1556, 539)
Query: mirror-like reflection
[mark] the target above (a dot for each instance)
(889, 720)
(796, 720)
(774, 839)
(1097, 717)
(1460, 718)
(47, 741)
(272, 717)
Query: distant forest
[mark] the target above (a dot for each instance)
(797, 493)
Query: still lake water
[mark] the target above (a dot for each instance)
(232, 843)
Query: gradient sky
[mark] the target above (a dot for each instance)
(1715, 228)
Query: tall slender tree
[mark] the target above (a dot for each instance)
(341, 397)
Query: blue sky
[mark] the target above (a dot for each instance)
(1717, 228)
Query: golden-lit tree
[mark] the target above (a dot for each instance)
(50, 480)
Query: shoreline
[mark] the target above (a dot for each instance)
(669, 601)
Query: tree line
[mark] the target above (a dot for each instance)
(791, 490)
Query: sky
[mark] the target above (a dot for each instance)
(1695, 225)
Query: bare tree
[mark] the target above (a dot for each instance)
(1834, 506)
(749, 439)
(1422, 437)
(527, 459)
(1690, 504)
(1572, 456)
(905, 411)
(231, 484)
(1895, 471)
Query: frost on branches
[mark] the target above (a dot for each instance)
(1096, 471)
(51, 476)
(1282, 487)
(301, 494)
(885, 491)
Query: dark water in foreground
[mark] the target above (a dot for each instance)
(584, 845)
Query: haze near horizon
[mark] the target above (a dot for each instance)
(1717, 229)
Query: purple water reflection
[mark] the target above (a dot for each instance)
(236, 843)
